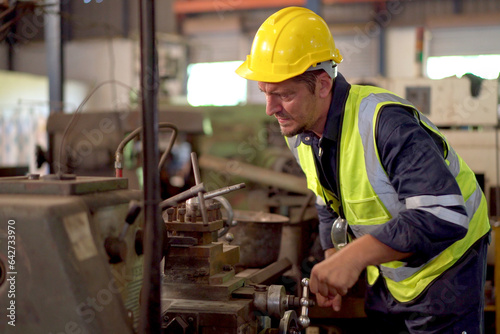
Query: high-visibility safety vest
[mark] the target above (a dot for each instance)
(369, 200)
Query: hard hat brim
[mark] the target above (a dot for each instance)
(245, 72)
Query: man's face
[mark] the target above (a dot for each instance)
(293, 105)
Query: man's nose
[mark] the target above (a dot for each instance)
(273, 105)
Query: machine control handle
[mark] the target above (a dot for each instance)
(186, 194)
(222, 191)
(133, 212)
(305, 302)
(116, 248)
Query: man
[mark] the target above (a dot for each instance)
(385, 175)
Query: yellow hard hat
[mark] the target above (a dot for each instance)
(287, 44)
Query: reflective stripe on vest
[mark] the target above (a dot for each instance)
(306, 162)
(369, 200)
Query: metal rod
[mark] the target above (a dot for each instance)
(197, 179)
(185, 195)
(150, 312)
(254, 173)
(54, 49)
(171, 142)
(134, 134)
(222, 191)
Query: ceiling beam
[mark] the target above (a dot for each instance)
(214, 6)
(333, 2)
(207, 6)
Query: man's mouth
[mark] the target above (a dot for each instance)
(282, 119)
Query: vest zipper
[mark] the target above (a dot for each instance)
(337, 164)
(337, 169)
(320, 167)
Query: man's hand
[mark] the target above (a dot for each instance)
(335, 303)
(329, 252)
(333, 277)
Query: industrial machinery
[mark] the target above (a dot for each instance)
(75, 250)
(71, 261)
(57, 272)
(202, 293)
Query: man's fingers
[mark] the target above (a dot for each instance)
(313, 283)
(321, 283)
(323, 301)
(322, 286)
(336, 303)
(325, 290)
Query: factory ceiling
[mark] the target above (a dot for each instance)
(205, 6)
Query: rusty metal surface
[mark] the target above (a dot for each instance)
(221, 292)
(269, 273)
(195, 227)
(203, 316)
(259, 236)
(193, 269)
(80, 186)
(202, 294)
(221, 278)
(197, 251)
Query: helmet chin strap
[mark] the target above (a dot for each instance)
(329, 66)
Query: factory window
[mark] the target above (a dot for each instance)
(484, 66)
(215, 84)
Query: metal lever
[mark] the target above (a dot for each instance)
(197, 179)
(305, 302)
(222, 191)
(116, 247)
(186, 194)
(133, 211)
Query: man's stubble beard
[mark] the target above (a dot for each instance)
(293, 133)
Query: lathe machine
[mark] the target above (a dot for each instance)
(71, 261)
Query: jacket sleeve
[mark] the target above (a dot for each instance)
(413, 160)
(326, 218)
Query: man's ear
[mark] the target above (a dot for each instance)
(325, 84)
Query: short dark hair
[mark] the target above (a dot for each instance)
(309, 78)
